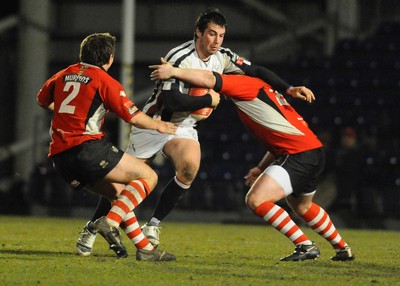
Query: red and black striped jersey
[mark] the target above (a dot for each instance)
(267, 114)
(82, 95)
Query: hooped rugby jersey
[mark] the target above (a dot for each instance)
(82, 96)
(267, 114)
(186, 56)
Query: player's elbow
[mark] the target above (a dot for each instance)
(44, 106)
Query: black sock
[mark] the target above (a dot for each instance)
(102, 209)
(170, 197)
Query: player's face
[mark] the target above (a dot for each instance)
(210, 41)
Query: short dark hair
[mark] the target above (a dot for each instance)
(97, 48)
(209, 15)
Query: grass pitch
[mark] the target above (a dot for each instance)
(41, 251)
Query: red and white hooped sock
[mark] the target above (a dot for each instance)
(130, 197)
(280, 219)
(318, 219)
(131, 227)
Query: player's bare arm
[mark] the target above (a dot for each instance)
(162, 72)
(142, 120)
(197, 77)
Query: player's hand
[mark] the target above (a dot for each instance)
(162, 72)
(215, 98)
(165, 127)
(252, 176)
(301, 92)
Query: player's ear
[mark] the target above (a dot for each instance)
(197, 33)
(111, 59)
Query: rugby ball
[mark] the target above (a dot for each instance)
(202, 113)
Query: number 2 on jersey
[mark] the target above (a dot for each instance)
(64, 107)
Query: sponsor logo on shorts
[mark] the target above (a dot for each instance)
(103, 164)
(114, 149)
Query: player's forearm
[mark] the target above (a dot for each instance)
(177, 101)
(268, 76)
(266, 161)
(196, 77)
(142, 120)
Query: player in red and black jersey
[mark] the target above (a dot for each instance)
(80, 96)
(294, 160)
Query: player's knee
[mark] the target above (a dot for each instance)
(187, 174)
(190, 175)
(152, 180)
(251, 201)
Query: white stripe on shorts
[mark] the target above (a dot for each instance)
(281, 176)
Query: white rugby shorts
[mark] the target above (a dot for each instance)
(145, 143)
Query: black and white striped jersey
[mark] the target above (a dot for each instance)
(186, 56)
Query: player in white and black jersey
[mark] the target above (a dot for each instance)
(171, 101)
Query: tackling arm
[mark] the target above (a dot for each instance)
(196, 77)
(207, 79)
(277, 83)
(177, 101)
(142, 120)
(266, 75)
